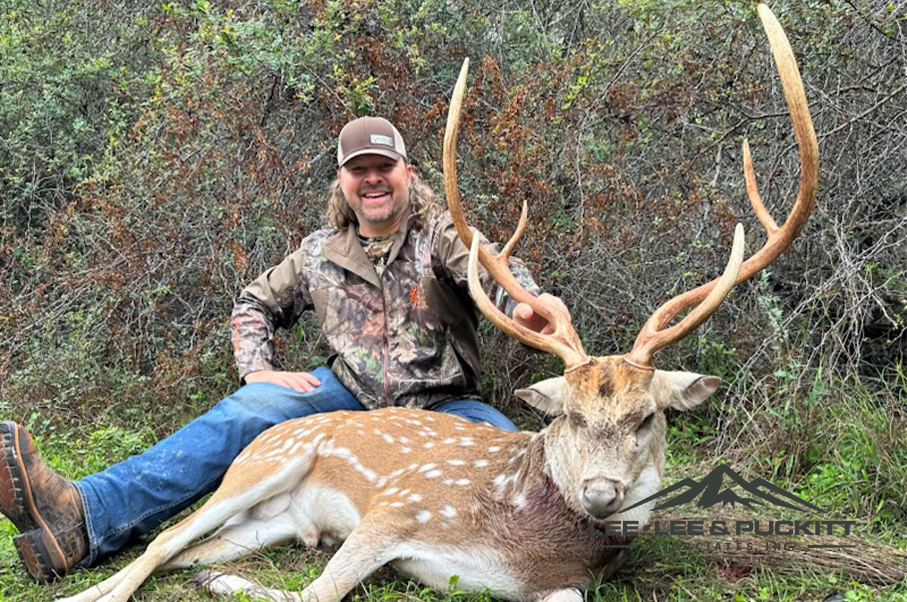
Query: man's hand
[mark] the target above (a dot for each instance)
(525, 316)
(300, 381)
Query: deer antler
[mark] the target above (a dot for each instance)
(564, 341)
(654, 336)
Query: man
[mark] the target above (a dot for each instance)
(388, 284)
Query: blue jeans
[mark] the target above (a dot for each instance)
(134, 496)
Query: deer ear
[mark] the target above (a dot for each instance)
(683, 390)
(545, 395)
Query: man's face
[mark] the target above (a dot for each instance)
(377, 189)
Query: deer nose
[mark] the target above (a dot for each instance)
(603, 498)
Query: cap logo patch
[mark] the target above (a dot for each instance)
(379, 139)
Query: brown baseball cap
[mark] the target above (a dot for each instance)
(369, 136)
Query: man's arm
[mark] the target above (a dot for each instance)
(275, 299)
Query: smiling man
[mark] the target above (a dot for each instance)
(374, 178)
(387, 282)
(374, 186)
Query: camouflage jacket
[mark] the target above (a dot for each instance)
(406, 338)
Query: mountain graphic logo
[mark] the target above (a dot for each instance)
(712, 493)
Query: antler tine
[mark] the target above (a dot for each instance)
(518, 233)
(564, 341)
(572, 357)
(651, 339)
(752, 191)
(491, 262)
(653, 335)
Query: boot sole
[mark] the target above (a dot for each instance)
(12, 489)
(35, 555)
(37, 548)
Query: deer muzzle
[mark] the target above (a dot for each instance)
(603, 497)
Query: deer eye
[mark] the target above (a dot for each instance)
(646, 422)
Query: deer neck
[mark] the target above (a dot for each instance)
(540, 465)
(559, 468)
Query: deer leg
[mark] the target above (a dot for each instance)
(98, 590)
(236, 540)
(119, 587)
(367, 549)
(243, 487)
(221, 584)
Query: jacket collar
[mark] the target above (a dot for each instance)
(344, 249)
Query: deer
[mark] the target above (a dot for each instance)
(435, 495)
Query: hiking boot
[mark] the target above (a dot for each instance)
(45, 508)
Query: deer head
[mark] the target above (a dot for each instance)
(610, 411)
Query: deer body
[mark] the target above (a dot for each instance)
(454, 498)
(433, 495)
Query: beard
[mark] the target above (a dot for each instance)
(379, 213)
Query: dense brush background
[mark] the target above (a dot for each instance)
(154, 158)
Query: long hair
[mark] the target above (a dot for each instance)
(422, 205)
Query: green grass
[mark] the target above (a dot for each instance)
(644, 577)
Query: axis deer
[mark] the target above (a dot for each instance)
(435, 495)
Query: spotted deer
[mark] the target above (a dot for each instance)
(437, 496)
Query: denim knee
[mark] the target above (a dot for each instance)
(261, 404)
(273, 403)
(476, 411)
